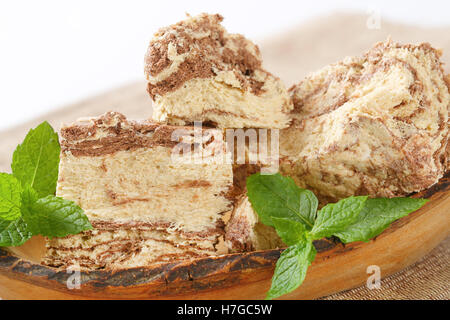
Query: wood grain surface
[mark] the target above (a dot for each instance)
(291, 56)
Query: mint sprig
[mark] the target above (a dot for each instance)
(292, 211)
(28, 205)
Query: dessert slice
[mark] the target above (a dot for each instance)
(371, 125)
(244, 231)
(148, 201)
(197, 71)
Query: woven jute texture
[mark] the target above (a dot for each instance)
(428, 278)
(291, 56)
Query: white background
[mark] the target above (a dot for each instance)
(57, 52)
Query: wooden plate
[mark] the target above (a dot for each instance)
(238, 276)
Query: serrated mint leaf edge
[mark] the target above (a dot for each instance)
(324, 223)
(302, 255)
(346, 235)
(42, 213)
(14, 228)
(13, 199)
(20, 167)
(313, 204)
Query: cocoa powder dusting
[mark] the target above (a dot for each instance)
(207, 55)
(123, 135)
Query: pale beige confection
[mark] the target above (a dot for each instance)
(254, 151)
(146, 206)
(371, 125)
(244, 232)
(197, 71)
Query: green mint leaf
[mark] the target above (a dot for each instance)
(13, 233)
(29, 197)
(10, 198)
(291, 232)
(291, 268)
(334, 217)
(278, 196)
(54, 217)
(376, 216)
(35, 161)
(13, 229)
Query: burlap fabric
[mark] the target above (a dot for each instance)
(428, 278)
(291, 56)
